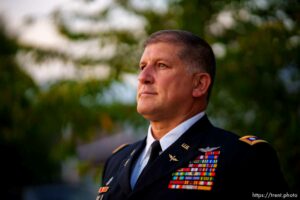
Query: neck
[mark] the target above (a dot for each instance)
(162, 127)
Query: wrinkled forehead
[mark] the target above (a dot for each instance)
(162, 49)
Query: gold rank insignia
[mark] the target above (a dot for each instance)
(252, 140)
(185, 146)
(119, 148)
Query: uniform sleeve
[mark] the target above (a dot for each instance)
(265, 173)
(103, 178)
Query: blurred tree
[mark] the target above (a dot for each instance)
(19, 153)
(41, 127)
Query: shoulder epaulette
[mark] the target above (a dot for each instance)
(119, 148)
(252, 140)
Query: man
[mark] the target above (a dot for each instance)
(184, 156)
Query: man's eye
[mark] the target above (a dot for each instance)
(142, 67)
(162, 66)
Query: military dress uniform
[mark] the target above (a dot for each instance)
(205, 162)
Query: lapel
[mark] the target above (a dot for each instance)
(125, 173)
(177, 155)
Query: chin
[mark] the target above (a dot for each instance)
(142, 111)
(145, 112)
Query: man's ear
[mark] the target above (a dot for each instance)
(201, 83)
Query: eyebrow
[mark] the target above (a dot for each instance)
(157, 60)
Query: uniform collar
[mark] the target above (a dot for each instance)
(178, 154)
(168, 139)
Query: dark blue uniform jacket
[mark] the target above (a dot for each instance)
(204, 163)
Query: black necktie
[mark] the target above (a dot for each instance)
(155, 149)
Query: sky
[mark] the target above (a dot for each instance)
(15, 13)
(42, 33)
(16, 10)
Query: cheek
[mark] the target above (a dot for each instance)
(178, 89)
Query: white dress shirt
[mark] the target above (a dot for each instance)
(166, 141)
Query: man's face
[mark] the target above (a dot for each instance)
(165, 85)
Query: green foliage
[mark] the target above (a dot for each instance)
(24, 152)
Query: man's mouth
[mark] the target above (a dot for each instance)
(147, 93)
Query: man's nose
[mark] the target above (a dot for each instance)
(146, 76)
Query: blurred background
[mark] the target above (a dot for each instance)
(68, 72)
